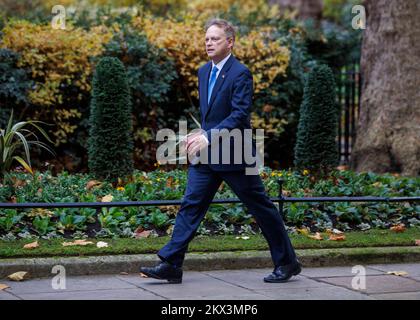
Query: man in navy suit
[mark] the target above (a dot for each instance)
(225, 93)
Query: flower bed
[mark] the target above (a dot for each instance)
(220, 219)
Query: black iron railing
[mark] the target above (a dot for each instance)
(349, 89)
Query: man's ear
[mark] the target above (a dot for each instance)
(231, 42)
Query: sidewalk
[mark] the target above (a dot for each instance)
(326, 283)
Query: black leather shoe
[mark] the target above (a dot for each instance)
(284, 273)
(163, 271)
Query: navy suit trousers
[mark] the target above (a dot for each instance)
(202, 185)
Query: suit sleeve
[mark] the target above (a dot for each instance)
(241, 104)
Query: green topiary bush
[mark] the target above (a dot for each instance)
(110, 143)
(316, 147)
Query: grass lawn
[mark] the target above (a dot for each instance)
(50, 248)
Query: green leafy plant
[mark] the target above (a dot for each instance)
(9, 219)
(42, 225)
(12, 138)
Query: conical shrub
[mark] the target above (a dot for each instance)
(316, 147)
(110, 142)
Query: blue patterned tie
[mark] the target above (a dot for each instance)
(212, 82)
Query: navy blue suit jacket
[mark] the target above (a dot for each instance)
(229, 107)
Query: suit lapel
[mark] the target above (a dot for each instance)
(218, 84)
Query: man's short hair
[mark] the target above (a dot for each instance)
(223, 24)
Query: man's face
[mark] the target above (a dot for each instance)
(218, 46)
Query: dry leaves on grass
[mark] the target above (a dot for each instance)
(242, 237)
(19, 276)
(316, 236)
(31, 245)
(334, 231)
(77, 243)
(399, 228)
(3, 286)
(337, 237)
(398, 273)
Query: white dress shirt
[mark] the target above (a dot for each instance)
(220, 64)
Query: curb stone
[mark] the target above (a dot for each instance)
(93, 265)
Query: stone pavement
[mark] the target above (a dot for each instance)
(327, 283)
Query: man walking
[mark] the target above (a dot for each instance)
(225, 92)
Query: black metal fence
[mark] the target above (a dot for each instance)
(280, 200)
(349, 86)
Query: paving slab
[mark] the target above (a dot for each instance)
(378, 284)
(331, 283)
(7, 296)
(397, 296)
(195, 285)
(413, 269)
(320, 293)
(80, 283)
(336, 272)
(118, 294)
(253, 279)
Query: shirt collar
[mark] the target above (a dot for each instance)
(221, 63)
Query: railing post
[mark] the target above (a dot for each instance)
(97, 225)
(281, 199)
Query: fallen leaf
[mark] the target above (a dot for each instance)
(18, 183)
(92, 183)
(107, 198)
(77, 243)
(18, 276)
(142, 234)
(342, 168)
(417, 242)
(334, 231)
(143, 275)
(243, 237)
(317, 236)
(170, 229)
(3, 286)
(102, 244)
(169, 182)
(31, 245)
(398, 228)
(124, 273)
(303, 231)
(398, 273)
(337, 237)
